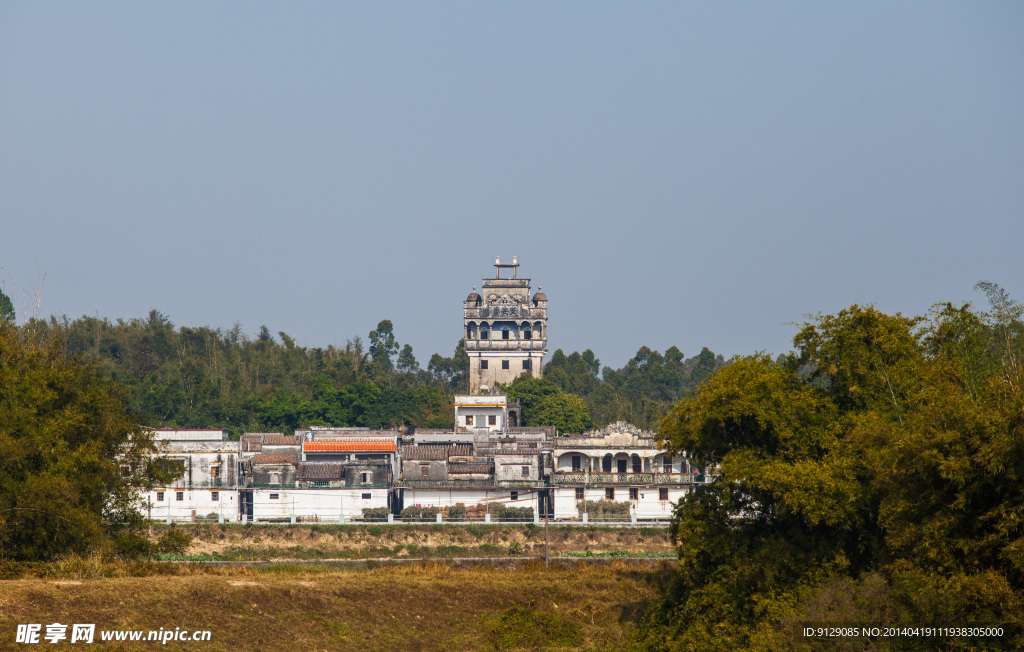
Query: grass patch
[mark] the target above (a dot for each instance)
(517, 628)
(427, 606)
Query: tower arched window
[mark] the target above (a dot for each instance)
(485, 331)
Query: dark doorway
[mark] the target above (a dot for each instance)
(621, 465)
(245, 505)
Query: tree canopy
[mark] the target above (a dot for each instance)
(876, 475)
(73, 456)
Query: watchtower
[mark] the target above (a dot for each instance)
(506, 329)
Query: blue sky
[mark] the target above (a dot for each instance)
(671, 173)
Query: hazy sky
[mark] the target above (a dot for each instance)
(671, 172)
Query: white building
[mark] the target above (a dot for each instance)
(208, 485)
(618, 463)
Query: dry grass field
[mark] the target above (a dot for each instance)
(280, 542)
(427, 606)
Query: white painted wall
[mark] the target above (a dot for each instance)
(647, 507)
(323, 503)
(470, 497)
(195, 503)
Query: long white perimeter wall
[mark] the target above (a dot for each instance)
(315, 503)
(648, 505)
(470, 497)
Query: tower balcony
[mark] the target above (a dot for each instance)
(506, 313)
(506, 345)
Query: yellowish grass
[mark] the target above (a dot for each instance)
(416, 607)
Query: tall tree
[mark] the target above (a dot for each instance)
(6, 308)
(73, 456)
(877, 473)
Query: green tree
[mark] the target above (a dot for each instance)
(383, 346)
(545, 404)
(566, 412)
(407, 361)
(876, 473)
(73, 457)
(6, 308)
(704, 367)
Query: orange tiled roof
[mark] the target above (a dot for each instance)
(329, 446)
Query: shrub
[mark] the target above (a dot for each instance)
(375, 513)
(457, 512)
(608, 510)
(417, 513)
(174, 542)
(132, 545)
(516, 514)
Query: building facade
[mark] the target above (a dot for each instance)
(506, 329)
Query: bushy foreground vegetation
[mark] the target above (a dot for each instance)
(71, 454)
(873, 477)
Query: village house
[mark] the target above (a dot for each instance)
(208, 485)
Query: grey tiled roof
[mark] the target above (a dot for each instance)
(321, 471)
(426, 452)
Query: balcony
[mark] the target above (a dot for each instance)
(505, 345)
(505, 313)
(584, 478)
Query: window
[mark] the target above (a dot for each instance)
(526, 365)
(366, 496)
(637, 464)
(606, 464)
(469, 419)
(504, 364)
(526, 471)
(527, 334)
(179, 495)
(275, 478)
(579, 493)
(215, 496)
(424, 470)
(634, 493)
(609, 494)
(483, 364)
(663, 493)
(159, 496)
(274, 496)
(504, 334)
(577, 462)
(365, 477)
(515, 495)
(668, 465)
(492, 420)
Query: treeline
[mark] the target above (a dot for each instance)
(201, 377)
